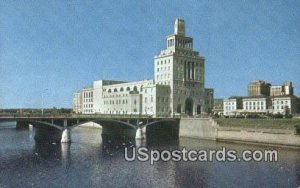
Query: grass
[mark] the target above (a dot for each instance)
(288, 124)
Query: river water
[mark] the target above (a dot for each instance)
(86, 162)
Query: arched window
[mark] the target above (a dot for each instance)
(109, 91)
(128, 89)
(115, 90)
(134, 88)
(121, 89)
(141, 88)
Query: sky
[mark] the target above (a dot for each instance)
(50, 49)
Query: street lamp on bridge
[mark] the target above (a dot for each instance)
(43, 101)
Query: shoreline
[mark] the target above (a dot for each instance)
(243, 132)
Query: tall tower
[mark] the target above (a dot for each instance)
(182, 68)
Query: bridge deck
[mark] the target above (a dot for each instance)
(12, 117)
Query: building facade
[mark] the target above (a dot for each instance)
(284, 105)
(258, 88)
(218, 107)
(232, 106)
(256, 104)
(87, 100)
(282, 90)
(278, 100)
(177, 87)
(77, 102)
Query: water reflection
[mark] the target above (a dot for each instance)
(95, 161)
(111, 145)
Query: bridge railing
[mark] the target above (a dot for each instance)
(91, 116)
(62, 115)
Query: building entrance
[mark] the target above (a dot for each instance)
(189, 106)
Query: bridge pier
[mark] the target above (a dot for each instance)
(139, 134)
(22, 125)
(66, 136)
(66, 133)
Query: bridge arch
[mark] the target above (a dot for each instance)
(161, 131)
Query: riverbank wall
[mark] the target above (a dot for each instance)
(203, 128)
(209, 129)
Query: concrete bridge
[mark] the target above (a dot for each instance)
(57, 128)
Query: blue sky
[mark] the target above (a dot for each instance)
(49, 49)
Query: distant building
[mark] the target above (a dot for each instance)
(282, 90)
(77, 102)
(232, 106)
(256, 104)
(258, 88)
(177, 88)
(285, 105)
(218, 107)
(209, 100)
(278, 100)
(87, 100)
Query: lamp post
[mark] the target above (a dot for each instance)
(43, 101)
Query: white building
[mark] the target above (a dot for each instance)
(256, 104)
(87, 100)
(284, 105)
(232, 106)
(265, 98)
(264, 105)
(177, 88)
(77, 102)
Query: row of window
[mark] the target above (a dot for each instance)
(162, 76)
(254, 103)
(88, 100)
(88, 94)
(164, 83)
(87, 111)
(161, 62)
(162, 99)
(277, 102)
(124, 101)
(117, 111)
(117, 95)
(122, 89)
(163, 68)
(151, 99)
(230, 108)
(255, 108)
(88, 105)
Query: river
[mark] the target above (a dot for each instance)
(86, 162)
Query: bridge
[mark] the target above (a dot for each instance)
(57, 128)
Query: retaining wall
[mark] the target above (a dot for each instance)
(203, 128)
